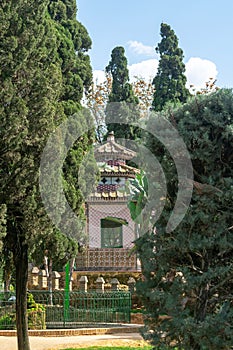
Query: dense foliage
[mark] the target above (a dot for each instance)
(187, 290)
(73, 43)
(44, 70)
(169, 82)
(30, 78)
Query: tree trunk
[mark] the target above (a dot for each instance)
(7, 273)
(50, 281)
(193, 344)
(7, 281)
(201, 305)
(21, 266)
(46, 267)
(200, 313)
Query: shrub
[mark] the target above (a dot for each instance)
(36, 314)
(8, 321)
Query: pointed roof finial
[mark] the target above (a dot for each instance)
(111, 136)
(111, 150)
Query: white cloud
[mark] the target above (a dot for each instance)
(199, 71)
(146, 69)
(98, 76)
(141, 49)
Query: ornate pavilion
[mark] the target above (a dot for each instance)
(110, 238)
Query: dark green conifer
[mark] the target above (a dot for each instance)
(44, 70)
(188, 272)
(30, 80)
(121, 110)
(73, 44)
(170, 80)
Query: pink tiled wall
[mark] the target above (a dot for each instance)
(98, 211)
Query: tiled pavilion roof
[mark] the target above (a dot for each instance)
(111, 158)
(111, 150)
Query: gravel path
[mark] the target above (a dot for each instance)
(55, 343)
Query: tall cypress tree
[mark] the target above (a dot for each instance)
(30, 80)
(169, 82)
(121, 109)
(43, 71)
(73, 44)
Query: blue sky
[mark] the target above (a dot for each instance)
(204, 29)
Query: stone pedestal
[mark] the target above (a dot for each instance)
(83, 281)
(33, 278)
(115, 284)
(55, 280)
(100, 285)
(43, 280)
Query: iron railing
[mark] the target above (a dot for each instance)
(7, 310)
(74, 309)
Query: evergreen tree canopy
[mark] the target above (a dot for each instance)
(30, 80)
(73, 43)
(121, 109)
(187, 290)
(44, 70)
(169, 82)
(58, 247)
(121, 88)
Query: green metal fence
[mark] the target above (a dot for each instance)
(7, 310)
(75, 309)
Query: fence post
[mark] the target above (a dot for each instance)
(43, 280)
(67, 294)
(33, 278)
(100, 285)
(55, 280)
(131, 284)
(83, 283)
(115, 284)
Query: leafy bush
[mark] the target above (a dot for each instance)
(32, 305)
(36, 319)
(8, 321)
(36, 314)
